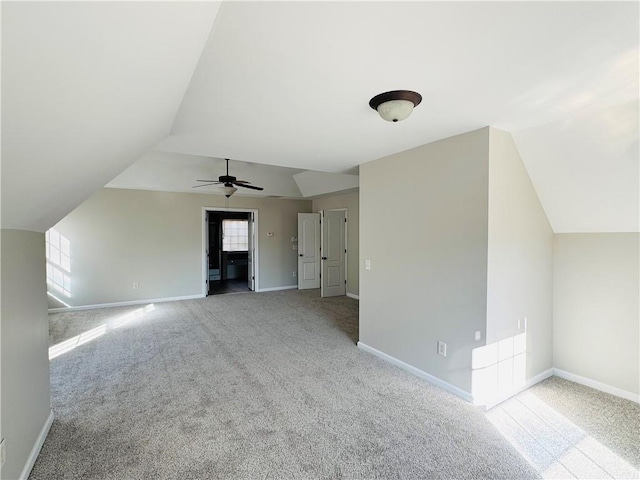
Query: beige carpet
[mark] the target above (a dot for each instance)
(266, 385)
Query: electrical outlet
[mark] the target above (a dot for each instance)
(135, 285)
(477, 336)
(442, 348)
(294, 273)
(367, 264)
(3, 452)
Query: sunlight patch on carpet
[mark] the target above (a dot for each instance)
(89, 335)
(555, 446)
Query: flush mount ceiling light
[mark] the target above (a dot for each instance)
(395, 105)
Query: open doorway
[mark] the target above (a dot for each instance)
(229, 251)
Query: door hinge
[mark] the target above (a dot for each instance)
(345, 220)
(345, 281)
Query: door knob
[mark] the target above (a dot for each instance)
(324, 258)
(301, 255)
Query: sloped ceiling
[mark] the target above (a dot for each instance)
(585, 169)
(288, 83)
(87, 88)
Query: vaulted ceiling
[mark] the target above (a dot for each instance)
(90, 89)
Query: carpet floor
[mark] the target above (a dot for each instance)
(271, 385)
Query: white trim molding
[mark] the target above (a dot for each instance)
(37, 446)
(124, 304)
(417, 372)
(276, 289)
(353, 295)
(603, 387)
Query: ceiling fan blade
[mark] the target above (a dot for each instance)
(241, 181)
(205, 185)
(208, 181)
(248, 186)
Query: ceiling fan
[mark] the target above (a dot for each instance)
(228, 181)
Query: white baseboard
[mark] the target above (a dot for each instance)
(351, 295)
(528, 384)
(603, 387)
(37, 446)
(417, 372)
(276, 289)
(124, 304)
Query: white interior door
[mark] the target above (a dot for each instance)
(333, 280)
(251, 274)
(308, 250)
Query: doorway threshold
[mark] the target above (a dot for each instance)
(222, 287)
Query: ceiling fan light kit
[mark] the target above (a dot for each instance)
(229, 190)
(395, 105)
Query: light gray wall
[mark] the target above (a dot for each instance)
(25, 340)
(520, 256)
(155, 239)
(423, 226)
(596, 307)
(350, 201)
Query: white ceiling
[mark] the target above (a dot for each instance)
(96, 86)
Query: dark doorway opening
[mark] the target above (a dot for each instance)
(228, 255)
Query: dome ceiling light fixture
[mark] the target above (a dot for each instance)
(395, 105)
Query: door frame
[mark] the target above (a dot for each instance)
(346, 245)
(205, 246)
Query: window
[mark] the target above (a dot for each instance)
(235, 235)
(58, 253)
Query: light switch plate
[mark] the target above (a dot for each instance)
(442, 348)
